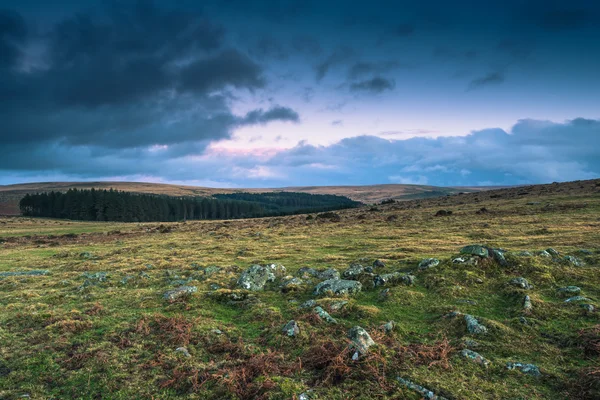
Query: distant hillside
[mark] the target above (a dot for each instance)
(10, 195)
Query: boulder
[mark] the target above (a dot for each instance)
(527, 306)
(291, 329)
(338, 287)
(576, 299)
(256, 277)
(378, 264)
(574, 261)
(361, 340)
(475, 357)
(182, 291)
(329, 273)
(393, 278)
(528, 369)
(354, 271)
(33, 272)
(475, 250)
(521, 282)
(428, 263)
(324, 315)
(499, 257)
(473, 326)
(552, 252)
(569, 290)
(426, 393)
(291, 284)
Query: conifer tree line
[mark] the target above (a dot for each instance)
(113, 205)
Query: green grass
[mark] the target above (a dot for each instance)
(118, 341)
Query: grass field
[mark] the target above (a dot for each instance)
(76, 333)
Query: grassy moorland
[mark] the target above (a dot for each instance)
(94, 323)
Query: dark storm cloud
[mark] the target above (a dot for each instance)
(277, 113)
(374, 85)
(493, 78)
(13, 32)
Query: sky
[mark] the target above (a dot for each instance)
(237, 93)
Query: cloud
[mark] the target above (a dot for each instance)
(339, 56)
(374, 85)
(277, 113)
(362, 68)
(13, 32)
(493, 78)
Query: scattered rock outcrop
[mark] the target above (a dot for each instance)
(337, 287)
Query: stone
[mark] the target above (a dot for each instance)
(427, 394)
(306, 272)
(544, 254)
(428, 263)
(521, 282)
(256, 277)
(378, 264)
(277, 269)
(337, 305)
(291, 284)
(587, 307)
(473, 326)
(443, 213)
(338, 287)
(126, 279)
(308, 304)
(98, 276)
(475, 357)
(214, 286)
(527, 306)
(211, 269)
(475, 250)
(499, 257)
(33, 272)
(361, 340)
(324, 315)
(388, 327)
(329, 273)
(354, 271)
(569, 290)
(585, 252)
(524, 254)
(576, 299)
(393, 278)
(459, 260)
(291, 329)
(528, 369)
(552, 252)
(180, 292)
(183, 351)
(574, 261)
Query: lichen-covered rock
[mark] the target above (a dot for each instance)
(427, 394)
(475, 357)
(329, 273)
(97, 276)
(521, 282)
(183, 351)
(576, 299)
(499, 257)
(393, 278)
(361, 340)
(182, 291)
(524, 254)
(574, 261)
(33, 272)
(307, 272)
(587, 307)
(378, 264)
(324, 315)
(337, 305)
(527, 306)
(569, 290)
(389, 326)
(475, 250)
(552, 252)
(338, 287)
(473, 326)
(544, 254)
(291, 284)
(308, 304)
(354, 271)
(256, 277)
(429, 263)
(291, 329)
(528, 369)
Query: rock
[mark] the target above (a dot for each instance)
(427, 394)
(529, 369)
(574, 261)
(337, 305)
(576, 299)
(33, 272)
(97, 277)
(467, 301)
(214, 286)
(384, 295)
(291, 284)
(86, 255)
(306, 395)
(354, 271)
(585, 252)
(470, 343)
(126, 279)
(256, 277)
(291, 329)
(388, 327)
(183, 351)
(329, 273)
(552, 252)
(144, 275)
(499, 257)
(473, 326)
(307, 272)
(393, 279)
(378, 264)
(308, 304)
(211, 269)
(182, 291)
(587, 307)
(443, 213)
(428, 263)
(527, 306)
(459, 260)
(361, 340)
(475, 250)
(217, 331)
(475, 357)
(338, 287)
(544, 254)
(569, 290)
(521, 282)
(324, 315)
